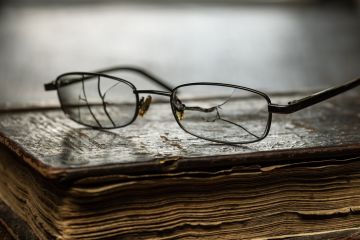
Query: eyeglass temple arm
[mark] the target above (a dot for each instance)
(152, 78)
(315, 98)
(140, 71)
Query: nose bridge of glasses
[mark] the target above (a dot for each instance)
(144, 103)
(157, 92)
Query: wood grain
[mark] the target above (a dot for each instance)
(61, 148)
(300, 200)
(151, 180)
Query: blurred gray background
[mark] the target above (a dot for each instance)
(268, 45)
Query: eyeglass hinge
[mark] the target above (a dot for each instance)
(278, 108)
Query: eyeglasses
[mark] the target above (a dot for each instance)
(216, 112)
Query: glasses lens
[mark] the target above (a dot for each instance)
(97, 101)
(221, 113)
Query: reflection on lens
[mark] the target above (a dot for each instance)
(97, 101)
(221, 113)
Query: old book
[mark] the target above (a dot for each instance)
(154, 181)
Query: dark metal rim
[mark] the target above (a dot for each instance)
(268, 124)
(106, 76)
(171, 95)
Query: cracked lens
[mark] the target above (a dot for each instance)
(97, 101)
(221, 113)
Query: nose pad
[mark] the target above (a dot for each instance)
(179, 108)
(180, 114)
(144, 105)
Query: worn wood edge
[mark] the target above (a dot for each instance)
(45, 170)
(179, 163)
(255, 181)
(344, 234)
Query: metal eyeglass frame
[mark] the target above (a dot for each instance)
(291, 107)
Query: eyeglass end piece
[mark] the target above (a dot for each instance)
(50, 86)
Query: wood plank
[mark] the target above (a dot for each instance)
(153, 180)
(60, 148)
(299, 200)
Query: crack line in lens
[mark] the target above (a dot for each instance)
(86, 101)
(102, 96)
(218, 116)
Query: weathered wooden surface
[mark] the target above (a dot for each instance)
(317, 199)
(152, 180)
(50, 141)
